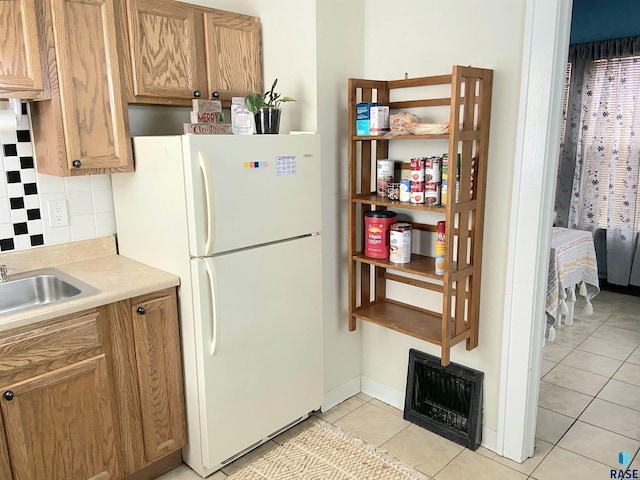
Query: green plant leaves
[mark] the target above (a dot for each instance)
(270, 99)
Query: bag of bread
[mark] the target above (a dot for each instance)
(428, 128)
(400, 121)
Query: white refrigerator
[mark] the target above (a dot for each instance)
(237, 218)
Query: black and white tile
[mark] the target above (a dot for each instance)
(25, 195)
(20, 214)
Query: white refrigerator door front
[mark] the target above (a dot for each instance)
(248, 190)
(261, 342)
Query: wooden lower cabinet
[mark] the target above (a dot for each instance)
(157, 344)
(108, 405)
(59, 426)
(148, 367)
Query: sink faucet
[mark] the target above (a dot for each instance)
(3, 273)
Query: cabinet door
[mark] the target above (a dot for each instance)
(20, 67)
(5, 466)
(234, 53)
(162, 36)
(96, 129)
(59, 426)
(158, 361)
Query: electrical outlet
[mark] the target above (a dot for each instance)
(58, 213)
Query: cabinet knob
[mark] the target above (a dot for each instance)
(141, 310)
(197, 94)
(215, 94)
(76, 163)
(8, 395)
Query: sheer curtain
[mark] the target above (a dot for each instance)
(600, 156)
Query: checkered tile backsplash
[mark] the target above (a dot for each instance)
(24, 196)
(20, 216)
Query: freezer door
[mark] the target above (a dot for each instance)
(261, 343)
(247, 190)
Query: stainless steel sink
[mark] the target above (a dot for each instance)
(39, 288)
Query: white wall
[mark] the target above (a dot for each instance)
(426, 38)
(340, 55)
(289, 53)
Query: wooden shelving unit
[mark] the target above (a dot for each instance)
(470, 109)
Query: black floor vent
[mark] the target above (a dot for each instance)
(446, 400)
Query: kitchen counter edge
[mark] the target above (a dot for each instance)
(116, 277)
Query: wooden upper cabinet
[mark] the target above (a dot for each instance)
(176, 49)
(58, 425)
(234, 53)
(163, 44)
(20, 66)
(85, 127)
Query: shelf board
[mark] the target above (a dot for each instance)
(443, 136)
(373, 199)
(419, 265)
(403, 319)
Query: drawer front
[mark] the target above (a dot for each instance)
(51, 346)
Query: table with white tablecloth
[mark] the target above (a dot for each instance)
(572, 271)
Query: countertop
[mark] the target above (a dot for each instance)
(97, 264)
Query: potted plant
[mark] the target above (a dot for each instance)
(266, 109)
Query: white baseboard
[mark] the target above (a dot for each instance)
(490, 439)
(340, 394)
(382, 392)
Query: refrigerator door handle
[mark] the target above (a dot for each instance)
(209, 206)
(211, 274)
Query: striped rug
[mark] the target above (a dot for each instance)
(325, 452)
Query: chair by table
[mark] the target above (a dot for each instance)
(572, 265)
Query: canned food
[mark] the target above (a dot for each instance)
(432, 169)
(384, 176)
(400, 243)
(444, 190)
(405, 190)
(417, 197)
(445, 167)
(417, 186)
(432, 193)
(417, 192)
(376, 240)
(417, 169)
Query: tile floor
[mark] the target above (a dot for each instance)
(589, 410)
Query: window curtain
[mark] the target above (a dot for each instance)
(599, 161)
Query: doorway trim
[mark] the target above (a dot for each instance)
(545, 48)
